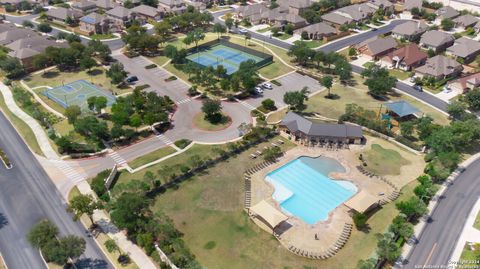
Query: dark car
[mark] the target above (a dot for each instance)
(418, 88)
(132, 79)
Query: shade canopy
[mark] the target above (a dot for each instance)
(362, 201)
(402, 108)
(268, 213)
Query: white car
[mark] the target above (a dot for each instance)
(267, 85)
(258, 90)
(242, 31)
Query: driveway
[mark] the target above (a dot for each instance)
(291, 82)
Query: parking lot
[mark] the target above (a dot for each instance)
(291, 82)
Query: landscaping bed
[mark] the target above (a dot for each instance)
(4, 159)
(150, 157)
(201, 123)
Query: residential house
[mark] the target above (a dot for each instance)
(318, 30)
(84, 6)
(17, 3)
(465, 49)
(305, 132)
(465, 84)
(405, 58)
(119, 17)
(144, 13)
(436, 40)
(282, 19)
(105, 4)
(381, 4)
(7, 27)
(377, 48)
(198, 5)
(352, 13)
(295, 7)
(439, 67)
(446, 12)
(172, 6)
(26, 48)
(60, 14)
(254, 12)
(10, 35)
(465, 21)
(410, 30)
(94, 23)
(411, 4)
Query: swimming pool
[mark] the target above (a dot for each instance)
(303, 188)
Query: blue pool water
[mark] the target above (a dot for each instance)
(303, 188)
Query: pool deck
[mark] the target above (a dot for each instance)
(302, 235)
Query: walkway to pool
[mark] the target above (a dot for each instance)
(322, 239)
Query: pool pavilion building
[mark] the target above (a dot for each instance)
(308, 133)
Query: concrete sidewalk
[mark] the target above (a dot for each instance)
(469, 233)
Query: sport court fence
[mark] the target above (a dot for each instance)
(266, 58)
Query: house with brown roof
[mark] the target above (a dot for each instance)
(405, 58)
(410, 30)
(105, 4)
(119, 17)
(349, 14)
(144, 13)
(84, 6)
(439, 67)
(465, 49)
(318, 30)
(465, 21)
(436, 40)
(10, 35)
(465, 84)
(295, 7)
(381, 4)
(377, 48)
(172, 6)
(60, 14)
(446, 12)
(411, 4)
(94, 23)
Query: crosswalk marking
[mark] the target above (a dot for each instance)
(164, 139)
(117, 158)
(184, 101)
(247, 105)
(69, 172)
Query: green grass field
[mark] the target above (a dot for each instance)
(383, 161)
(334, 108)
(472, 256)
(150, 157)
(200, 122)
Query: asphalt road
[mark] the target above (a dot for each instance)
(437, 242)
(27, 195)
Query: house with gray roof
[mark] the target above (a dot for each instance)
(105, 4)
(144, 13)
(348, 14)
(465, 49)
(119, 17)
(439, 67)
(465, 21)
(60, 14)
(381, 4)
(377, 47)
(410, 30)
(84, 6)
(436, 40)
(6, 27)
(14, 34)
(446, 12)
(94, 23)
(411, 4)
(336, 19)
(318, 30)
(172, 6)
(294, 7)
(308, 133)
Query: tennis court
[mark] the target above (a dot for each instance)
(77, 93)
(219, 54)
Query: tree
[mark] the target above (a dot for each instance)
(111, 246)
(219, 29)
(271, 154)
(28, 24)
(412, 208)
(352, 52)
(163, 29)
(456, 110)
(406, 128)
(360, 220)
(83, 204)
(305, 35)
(401, 227)
(289, 29)
(13, 67)
(378, 80)
(72, 113)
(91, 102)
(447, 24)
(387, 248)
(367, 264)
(302, 53)
(212, 110)
(44, 27)
(87, 63)
(135, 120)
(73, 246)
(97, 48)
(296, 99)
(40, 61)
(275, 31)
(229, 23)
(41, 233)
(100, 103)
(472, 98)
(116, 73)
(343, 69)
(269, 104)
(129, 210)
(327, 82)
(69, 21)
(195, 36)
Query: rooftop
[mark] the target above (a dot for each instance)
(409, 54)
(439, 65)
(436, 38)
(410, 28)
(464, 47)
(402, 108)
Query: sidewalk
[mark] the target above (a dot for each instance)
(469, 233)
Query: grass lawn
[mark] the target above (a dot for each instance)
(334, 108)
(399, 74)
(24, 130)
(284, 36)
(312, 43)
(471, 255)
(159, 60)
(152, 156)
(383, 161)
(102, 36)
(200, 122)
(209, 211)
(476, 224)
(263, 30)
(54, 78)
(276, 116)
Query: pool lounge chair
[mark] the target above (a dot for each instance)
(258, 152)
(280, 141)
(253, 156)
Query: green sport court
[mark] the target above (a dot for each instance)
(229, 55)
(77, 93)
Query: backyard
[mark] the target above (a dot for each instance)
(208, 209)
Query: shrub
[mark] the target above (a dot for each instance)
(360, 220)
(182, 143)
(142, 87)
(275, 82)
(171, 78)
(98, 183)
(150, 66)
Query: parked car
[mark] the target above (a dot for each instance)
(267, 85)
(412, 79)
(242, 31)
(258, 90)
(418, 88)
(132, 79)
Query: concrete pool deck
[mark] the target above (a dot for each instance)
(302, 235)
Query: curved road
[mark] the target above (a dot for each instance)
(439, 237)
(27, 195)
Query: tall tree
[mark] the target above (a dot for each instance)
(41, 233)
(219, 29)
(83, 204)
(72, 113)
(212, 110)
(378, 80)
(116, 73)
(296, 99)
(327, 82)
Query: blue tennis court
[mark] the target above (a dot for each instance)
(229, 58)
(77, 93)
